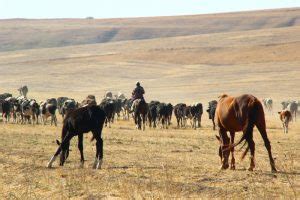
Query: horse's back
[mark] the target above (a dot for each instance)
(234, 112)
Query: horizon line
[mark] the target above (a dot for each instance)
(179, 15)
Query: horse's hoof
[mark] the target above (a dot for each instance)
(224, 167)
(81, 164)
(232, 167)
(274, 170)
(250, 169)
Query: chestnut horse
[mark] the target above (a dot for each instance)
(236, 114)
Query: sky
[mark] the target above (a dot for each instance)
(130, 8)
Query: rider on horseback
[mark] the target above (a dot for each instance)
(138, 92)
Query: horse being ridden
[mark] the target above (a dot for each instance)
(139, 106)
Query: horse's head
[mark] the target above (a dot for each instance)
(63, 158)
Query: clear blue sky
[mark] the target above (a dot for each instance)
(130, 8)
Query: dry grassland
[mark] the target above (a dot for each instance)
(155, 164)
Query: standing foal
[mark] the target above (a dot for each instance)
(77, 122)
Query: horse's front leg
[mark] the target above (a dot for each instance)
(232, 165)
(224, 147)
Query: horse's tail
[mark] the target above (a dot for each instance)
(93, 138)
(245, 153)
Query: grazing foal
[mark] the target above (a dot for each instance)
(241, 114)
(285, 117)
(77, 122)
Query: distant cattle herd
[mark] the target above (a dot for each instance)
(87, 115)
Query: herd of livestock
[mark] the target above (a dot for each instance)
(234, 114)
(25, 110)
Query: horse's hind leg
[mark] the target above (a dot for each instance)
(262, 129)
(232, 165)
(139, 122)
(249, 138)
(99, 149)
(80, 147)
(144, 121)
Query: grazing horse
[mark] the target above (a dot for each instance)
(80, 121)
(140, 110)
(285, 117)
(241, 114)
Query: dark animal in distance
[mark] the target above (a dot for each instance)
(212, 105)
(236, 114)
(76, 123)
(180, 112)
(140, 110)
(162, 114)
(152, 113)
(6, 110)
(196, 112)
(5, 95)
(108, 105)
(169, 113)
(127, 104)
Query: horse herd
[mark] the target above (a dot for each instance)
(233, 114)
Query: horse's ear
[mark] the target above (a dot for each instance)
(222, 96)
(58, 142)
(279, 112)
(218, 138)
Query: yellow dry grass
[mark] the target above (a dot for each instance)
(171, 163)
(155, 164)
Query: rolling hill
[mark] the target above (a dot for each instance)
(16, 34)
